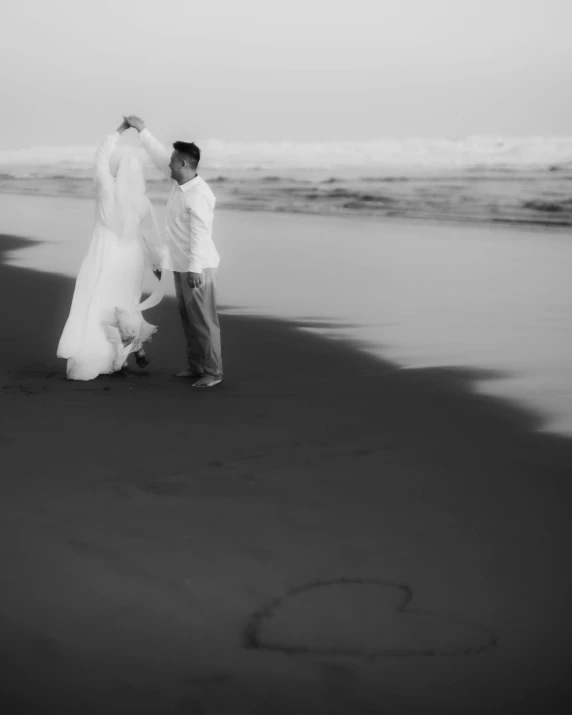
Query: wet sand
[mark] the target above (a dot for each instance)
(158, 542)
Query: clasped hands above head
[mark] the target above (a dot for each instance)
(131, 121)
(134, 121)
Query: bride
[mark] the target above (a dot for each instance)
(105, 323)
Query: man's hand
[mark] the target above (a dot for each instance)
(195, 280)
(123, 126)
(135, 122)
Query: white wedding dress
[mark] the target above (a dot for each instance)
(105, 322)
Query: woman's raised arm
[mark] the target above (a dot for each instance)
(102, 170)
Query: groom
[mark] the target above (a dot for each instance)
(191, 253)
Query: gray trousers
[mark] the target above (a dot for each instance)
(197, 308)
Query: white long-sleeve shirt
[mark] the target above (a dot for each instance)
(188, 218)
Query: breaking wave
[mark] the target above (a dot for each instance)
(476, 179)
(472, 153)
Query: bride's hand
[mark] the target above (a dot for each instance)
(135, 122)
(123, 126)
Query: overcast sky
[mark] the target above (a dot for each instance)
(304, 70)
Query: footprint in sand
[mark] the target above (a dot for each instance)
(24, 389)
(361, 618)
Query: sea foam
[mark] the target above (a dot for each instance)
(472, 152)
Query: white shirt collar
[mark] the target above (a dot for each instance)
(188, 184)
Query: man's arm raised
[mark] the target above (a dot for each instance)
(157, 152)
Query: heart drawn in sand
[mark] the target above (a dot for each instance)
(361, 618)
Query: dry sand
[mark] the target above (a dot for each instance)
(322, 533)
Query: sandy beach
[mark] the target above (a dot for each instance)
(421, 294)
(370, 514)
(323, 533)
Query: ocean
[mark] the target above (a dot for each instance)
(450, 255)
(478, 180)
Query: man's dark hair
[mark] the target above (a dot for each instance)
(190, 150)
